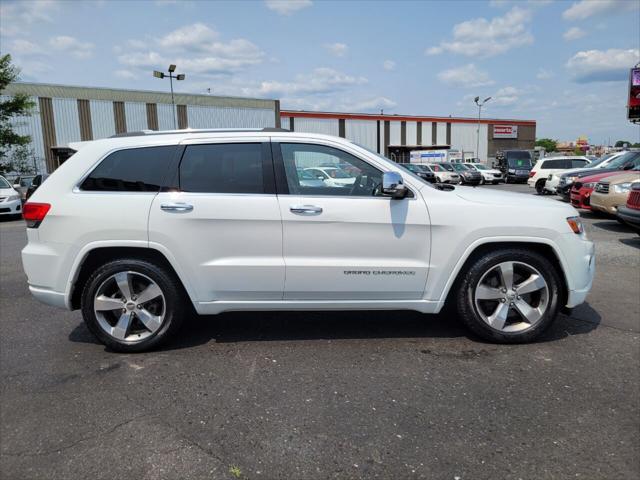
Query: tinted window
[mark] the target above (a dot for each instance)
(132, 170)
(222, 168)
(549, 164)
(577, 163)
(335, 172)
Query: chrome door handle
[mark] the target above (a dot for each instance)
(176, 207)
(305, 209)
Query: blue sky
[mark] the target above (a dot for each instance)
(562, 63)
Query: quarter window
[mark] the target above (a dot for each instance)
(132, 170)
(321, 170)
(222, 168)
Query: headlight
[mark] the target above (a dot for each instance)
(576, 224)
(622, 187)
(511, 170)
(589, 185)
(11, 198)
(572, 179)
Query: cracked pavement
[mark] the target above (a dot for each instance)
(326, 395)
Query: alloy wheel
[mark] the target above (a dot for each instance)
(511, 297)
(129, 306)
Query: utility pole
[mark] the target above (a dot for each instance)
(480, 105)
(180, 76)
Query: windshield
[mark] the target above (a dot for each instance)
(446, 167)
(479, 166)
(597, 162)
(519, 162)
(624, 158)
(461, 167)
(4, 183)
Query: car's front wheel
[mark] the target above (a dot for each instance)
(132, 305)
(509, 296)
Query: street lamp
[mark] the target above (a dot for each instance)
(180, 76)
(480, 105)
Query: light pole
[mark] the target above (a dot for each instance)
(480, 104)
(180, 76)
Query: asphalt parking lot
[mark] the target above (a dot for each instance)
(326, 395)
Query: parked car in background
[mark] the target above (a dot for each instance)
(552, 165)
(136, 231)
(626, 161)
(443, 174)
(582, 188)
(515, 165)
(308, 179)
(332, 176)
(21, 184)
(10, 199)
(420, 170)
(489, 175)
(468, 175)
(613, 191)
(630, 213)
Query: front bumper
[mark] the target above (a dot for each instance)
(630, 216)
(14, 207)
(581, 198)
(580, 267)
(607, 203)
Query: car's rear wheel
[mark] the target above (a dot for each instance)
(509, 296)
(540, 187)
(132, 305)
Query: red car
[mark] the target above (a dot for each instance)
(581, 190)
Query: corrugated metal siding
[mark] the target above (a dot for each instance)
(317, 125)
(464, 138)
(217, 117)
(102, 120)
(426, 133)
(383, 140)
(394, 133)
(412, 133)
(67, 120)
(166, 115)
(363, 132)
(136, 115)
(284, 123)
(32, 126)
(442, 133)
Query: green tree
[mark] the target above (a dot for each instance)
(621, 143)
(548, 144)
(16, 106)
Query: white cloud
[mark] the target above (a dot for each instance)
(287, 7)
(196, 36)
(588, 8)
(337, 49)
(72, 45)
(486, 38)
(574, 33)
(544, 74)
(195, 49)
(126, 74)
(20, 15)
(602, 65)
(367, 105)
(389, 65)
(24, 47)
(466, 76)
(506, 96)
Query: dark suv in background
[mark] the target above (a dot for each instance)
(515, 165)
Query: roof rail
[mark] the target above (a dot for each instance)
(196, 130)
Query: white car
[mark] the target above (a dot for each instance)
(553, 179)
(135, 230)
(489, 175)
(547, 166)
(10, 199)
(332, 176)
(443, 175)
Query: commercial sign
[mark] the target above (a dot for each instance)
(633, 106)
(505, 131)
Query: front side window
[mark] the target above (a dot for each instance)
(222, 168)
(335, 172)
(132, 170)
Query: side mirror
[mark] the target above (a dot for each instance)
(393, 186)
(16, 185)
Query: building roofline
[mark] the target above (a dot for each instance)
(393, 117)
(144, 96)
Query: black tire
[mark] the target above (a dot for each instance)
(540, 187)
(506, 179)
(175, 306)
(466, 307)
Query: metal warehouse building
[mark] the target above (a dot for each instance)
(396, 135)
(66, 114)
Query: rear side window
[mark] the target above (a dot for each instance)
(578, 163)
(132, 170)
(222, 168)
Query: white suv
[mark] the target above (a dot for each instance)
(545, 167)
(135, 230)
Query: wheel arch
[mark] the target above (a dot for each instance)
(541, 246)
(98, 256)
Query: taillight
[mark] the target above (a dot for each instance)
(531, 173)
(34, 213)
